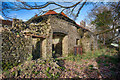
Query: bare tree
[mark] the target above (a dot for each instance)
(20, 5)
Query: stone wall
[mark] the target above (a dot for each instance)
(88, 41)
(43, 29)
(60, 25)
(85, 39)
(15, 48)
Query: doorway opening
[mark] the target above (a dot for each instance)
(58, 44)
(36, 48)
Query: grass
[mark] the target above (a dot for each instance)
(76, 66)
(68, 69)
(13, 73)
(48, 69)
(7, 73)
(81, 68)
(61, 68)
(113, 69)
(100, 61)
(93, 55)
(106, 65)
(107, 59)
(76, 72)
(90, 67)
(52, 75)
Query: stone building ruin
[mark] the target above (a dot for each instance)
(55, 35)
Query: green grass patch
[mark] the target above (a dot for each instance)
(93, 55)
(81, 68)
(113, 69)
(61, 68)
(106, 65)
(48, 69)
(68, 69)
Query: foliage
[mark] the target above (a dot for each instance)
(105, 18)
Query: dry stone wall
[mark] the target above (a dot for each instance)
(44, 30)
(15, 47)
(41, 28)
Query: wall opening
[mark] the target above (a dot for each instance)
(77, 42)
(57, 46)
(36, 48)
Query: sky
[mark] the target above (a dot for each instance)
(27, 14)
(62, 0)
(1, 17)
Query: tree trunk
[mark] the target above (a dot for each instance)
(119, 48)
(104, 39)
(119, 45)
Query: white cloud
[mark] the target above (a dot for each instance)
(24, 20)
(78, 22)
(1, 17)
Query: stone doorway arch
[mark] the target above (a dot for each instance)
(59, 45)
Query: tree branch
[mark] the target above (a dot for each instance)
(80, 8)
(108, 30)
(47, 4)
